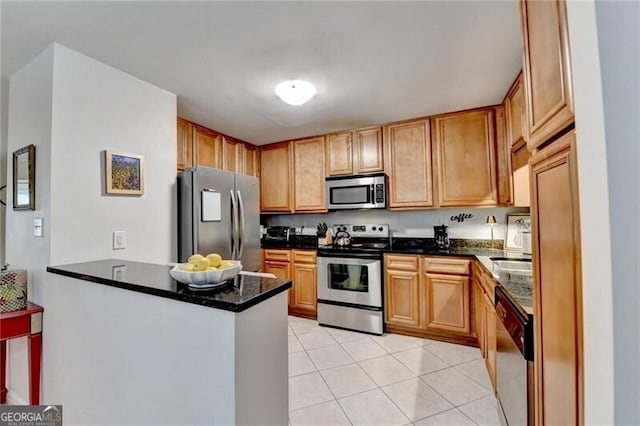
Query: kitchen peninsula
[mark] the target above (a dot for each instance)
(163, 354)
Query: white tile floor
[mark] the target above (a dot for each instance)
(339, 377)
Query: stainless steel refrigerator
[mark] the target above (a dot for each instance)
(219, 212)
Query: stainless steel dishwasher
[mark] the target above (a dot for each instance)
(514, 362)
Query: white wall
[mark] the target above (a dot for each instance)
(72, 108)
(418, 223)
(29, 123)
(618, 25)
(605, 57)
(96, 107)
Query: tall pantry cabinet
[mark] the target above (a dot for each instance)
(549, 133)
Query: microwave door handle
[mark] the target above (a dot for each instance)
(232, 226)
(372, 193)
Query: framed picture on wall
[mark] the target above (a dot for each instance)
(124, 173)
(517, 223)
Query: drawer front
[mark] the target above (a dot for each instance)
(489, 285)
(447, 265)
(278, 255)
(15, 327)
(402, 263)
(304, 256)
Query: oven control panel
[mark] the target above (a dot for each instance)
(363, 230)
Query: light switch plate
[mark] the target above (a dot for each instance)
(119, 240)
(37, 227)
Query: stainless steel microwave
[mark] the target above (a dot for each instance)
(357, 192)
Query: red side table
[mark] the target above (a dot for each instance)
(25, 322)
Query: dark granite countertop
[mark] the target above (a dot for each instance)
(519, 288)
(297, 242)
(236, 296)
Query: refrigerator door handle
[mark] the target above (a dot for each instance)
(232, 228)
(241, 220)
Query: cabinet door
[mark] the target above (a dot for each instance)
(281, 270)
(230, 154)
(304, 282)
(514, 112)
(490, 318)
(557, 290)
(402, 298)
(249, 160)
(464, 145)
(185, 144)
(339, 154)
(309, 175)
(276, 180)
(448, 303)
(367, 153)
(503, 160)
(208, 148)
(408, 164)
(479, 316)
(546, 73)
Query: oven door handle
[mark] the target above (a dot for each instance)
(347, 261)
(350, 257)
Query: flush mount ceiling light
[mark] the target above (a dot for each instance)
(295, 92)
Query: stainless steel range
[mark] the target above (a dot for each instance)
(350, 278)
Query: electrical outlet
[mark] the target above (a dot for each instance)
(119, 240)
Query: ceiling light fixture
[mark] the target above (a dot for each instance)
(295, 92)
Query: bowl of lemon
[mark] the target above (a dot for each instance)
(205, 272)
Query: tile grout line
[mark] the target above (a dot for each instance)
(329, 387)
(377, 386)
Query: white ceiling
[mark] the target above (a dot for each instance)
(372, 62)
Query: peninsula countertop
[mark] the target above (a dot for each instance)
(238, 295)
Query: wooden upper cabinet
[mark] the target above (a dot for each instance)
(464, 145)
(249, 160)
(547, 72)
(408, 164)
(309, 175)
(367, 151)
(230, 155)
(276, 180)
(339, 156)
(557, 288)
(503, 159)
(514, 112)
(208, 147)
(185, 144)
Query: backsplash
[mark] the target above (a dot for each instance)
(414, 223)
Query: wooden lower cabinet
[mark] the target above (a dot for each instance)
(490, 338)
(304, 287)
(299, 266)
(422, 303)
(485, 320)
(479, 316)
(402, 298)
(557, 292)
(448, 302)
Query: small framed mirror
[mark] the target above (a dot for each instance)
(24, 178)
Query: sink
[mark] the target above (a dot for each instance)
(522, 266)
